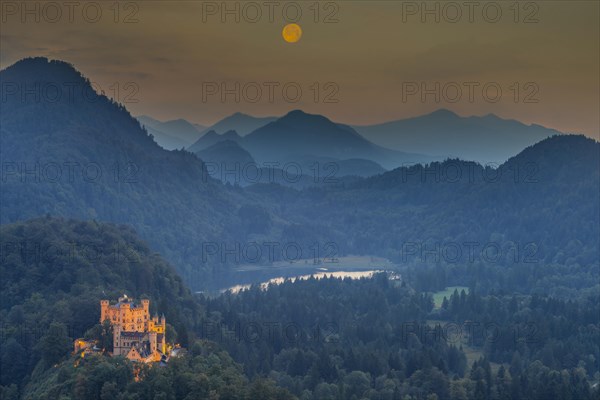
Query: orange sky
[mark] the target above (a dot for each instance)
(367, 55)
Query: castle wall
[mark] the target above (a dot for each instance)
(130, 319)
(127, 319)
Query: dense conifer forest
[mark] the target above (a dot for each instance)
(312, 339)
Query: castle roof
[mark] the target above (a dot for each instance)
(130, 302)
(144, 352)
(127, 300)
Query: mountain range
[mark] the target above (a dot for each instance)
(211, 138)
(487, 139)
(300, 136)
(243, 124)
(431, 137)
(174, 134)
(92, 160)
(484, 139)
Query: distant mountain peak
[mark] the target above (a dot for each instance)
(296, 116)
(212, 137)
(41, 61)
(44, 69)
(225, 152)
(443, 113)
(238, 116)
(210, 133)
(302, 114)
(494, 117)
(296, 112)
(148, 118)
(242, 123)
(484, 139)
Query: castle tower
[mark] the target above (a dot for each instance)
(125, 304)
(117, 345)
(146, 306)
(163, 344)
(104, 310)
(153, 341)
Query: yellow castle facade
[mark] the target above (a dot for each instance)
(136, 335)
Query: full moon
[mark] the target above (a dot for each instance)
(291, 33)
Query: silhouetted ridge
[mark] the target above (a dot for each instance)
(211, 138)
(41, 69)
(298, 133)
(443, 113)
(242, 123)
(443, 133)
(61, 97)
(299, 116)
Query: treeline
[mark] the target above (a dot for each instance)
(497, 226)
(315, 339)
(377, 339)
(204, 373)
(55, 271)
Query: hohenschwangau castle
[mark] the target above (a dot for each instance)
(135, 335)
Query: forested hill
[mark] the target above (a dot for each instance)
(53, 274)
(57, 270)
(312, 339)
(539, 209)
